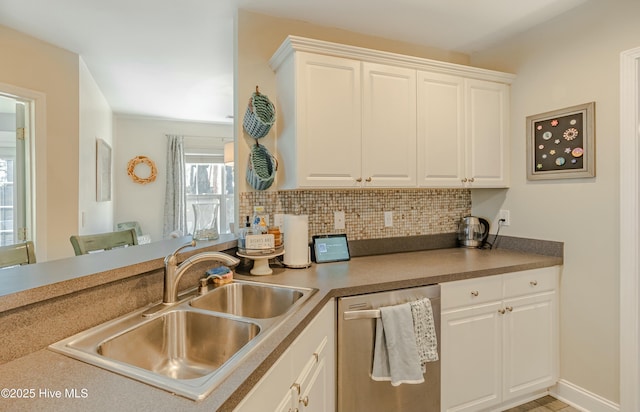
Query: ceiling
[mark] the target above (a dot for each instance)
(174, 59)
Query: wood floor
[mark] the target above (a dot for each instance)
(544, 404)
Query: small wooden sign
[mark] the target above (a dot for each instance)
(260, 241)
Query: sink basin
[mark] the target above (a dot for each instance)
(190, 347)
(180, 344)
(253, 300)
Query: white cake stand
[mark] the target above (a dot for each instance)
(261, 262)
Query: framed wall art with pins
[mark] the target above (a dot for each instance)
(561, 143)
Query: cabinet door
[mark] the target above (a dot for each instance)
(273, 392)
(471, 357)
(531, 344)
(328, 121)
(388, 126)
(306, 367)
(440, 122)
(487, 110)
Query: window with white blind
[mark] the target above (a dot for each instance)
(207, 178)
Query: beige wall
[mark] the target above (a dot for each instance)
(259, 36)
(35, 65)
(569, 61)
(96, 122)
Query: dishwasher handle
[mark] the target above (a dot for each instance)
(361, 314)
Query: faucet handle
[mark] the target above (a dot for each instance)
(186, 245)
(203, 287)
(175, 252)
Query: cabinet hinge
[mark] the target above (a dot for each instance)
(20, 133)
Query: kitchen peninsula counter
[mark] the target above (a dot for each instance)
(85, 387)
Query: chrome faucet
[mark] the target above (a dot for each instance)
(173, 272)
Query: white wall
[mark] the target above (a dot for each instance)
(144, 136)
(96, 121)
(572, 60)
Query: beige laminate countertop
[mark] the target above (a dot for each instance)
(99, 390)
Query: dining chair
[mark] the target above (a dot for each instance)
(130, 225)
(18, 254)
(83, 244)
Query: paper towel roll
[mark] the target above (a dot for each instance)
(296, 241)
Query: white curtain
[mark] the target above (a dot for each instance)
(175, 204)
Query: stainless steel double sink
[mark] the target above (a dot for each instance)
(188, 348)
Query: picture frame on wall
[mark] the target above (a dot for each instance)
(103, 171)
(561, 143)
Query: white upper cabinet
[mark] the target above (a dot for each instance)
(441, 142)
(352, 117)
(462, 132)
(320, 110)
(487, 125)
(388, 126)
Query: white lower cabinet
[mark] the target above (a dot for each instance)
(530, 344)
(499, 338)
(303, 379)
(471, 353)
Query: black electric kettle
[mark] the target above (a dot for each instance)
(473, 232)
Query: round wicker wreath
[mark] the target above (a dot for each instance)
(131, 170)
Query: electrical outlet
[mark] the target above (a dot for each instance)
(388, 219)
(278, 220)
(506, 216)
(338, 219)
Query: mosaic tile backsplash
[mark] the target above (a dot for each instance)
(415, 211)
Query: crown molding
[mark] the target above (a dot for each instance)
(302, 44)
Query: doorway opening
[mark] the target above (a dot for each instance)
(16, 211)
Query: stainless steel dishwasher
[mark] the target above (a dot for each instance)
(357, 392)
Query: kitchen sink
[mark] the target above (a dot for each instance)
(191, 346)
(181, 344)
(253, 300)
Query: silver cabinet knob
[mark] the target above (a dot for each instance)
(465, 180)
(359, 180)
(509, 308)
(501, 311)
(534, 283)
(474, 293)
(472, 180)
(368, 179)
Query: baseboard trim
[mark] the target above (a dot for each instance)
(520, 401)
(581, 398)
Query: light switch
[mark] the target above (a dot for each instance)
(388, 219)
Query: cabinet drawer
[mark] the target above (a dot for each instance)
(471, 291)
(530, 281)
